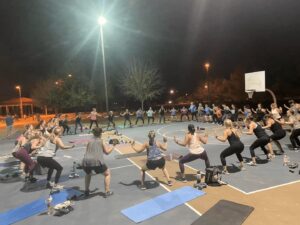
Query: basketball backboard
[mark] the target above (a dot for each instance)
(255, 81)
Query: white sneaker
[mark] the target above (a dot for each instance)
(57, 187)
(251, 163)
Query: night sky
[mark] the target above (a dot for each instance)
(42, 38)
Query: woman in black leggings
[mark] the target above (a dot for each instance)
(196, 151)
(45, 157)
(277, 130)
(261, 141)
(236, 146)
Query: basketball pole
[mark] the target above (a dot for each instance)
(273, 95)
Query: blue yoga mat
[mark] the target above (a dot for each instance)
(160, 204)
(36, 207)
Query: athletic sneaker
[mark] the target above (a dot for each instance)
(57, 187)
(49, 185)
(86, 193)
(251, 163)
(32, 179)
(107, 194)
(170, 183)
(143, 187)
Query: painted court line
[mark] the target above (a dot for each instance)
(273, 187)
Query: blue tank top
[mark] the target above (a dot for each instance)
(153, 152)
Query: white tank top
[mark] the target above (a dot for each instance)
(195, 145)
(275, 114)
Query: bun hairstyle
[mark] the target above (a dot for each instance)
(151, 136)
(191, 128)
(97, 131)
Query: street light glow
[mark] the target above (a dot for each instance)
(70, 75)
(101, 20)
(170, 102)
(18, 87)
(206, 65)
(171, 91)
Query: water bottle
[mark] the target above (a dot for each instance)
(171, 156)
(49, 206)
(198, 177)
(285, 160)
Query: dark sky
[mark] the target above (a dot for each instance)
(40, 38)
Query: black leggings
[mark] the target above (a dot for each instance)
(232, 149)
(93, 121)
(111, 122)
(295, 138)
(52, 164)
(194, 115)
(128, 121)
(278, 135)
(139, 118)
(191, 157)
(76, 125)
(260, 142)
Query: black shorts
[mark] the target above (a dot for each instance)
(153, 164)
(97, 169)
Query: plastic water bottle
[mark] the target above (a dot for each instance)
(285, 160)
(49, 206)
(171, 156)
(198, 177)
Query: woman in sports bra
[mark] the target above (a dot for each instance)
(193, 141)
(236, 146)
(154, 157)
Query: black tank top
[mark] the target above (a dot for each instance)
(276, 127)
(233, 139)
(259, 131)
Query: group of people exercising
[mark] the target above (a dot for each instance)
(44, 140)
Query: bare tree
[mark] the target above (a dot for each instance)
(142, 81)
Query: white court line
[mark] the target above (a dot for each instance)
(273, 187)
(162, 185)
(120, 167)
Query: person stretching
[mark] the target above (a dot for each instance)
(236, 146)
(193, 140)
(93, 160)
(261, 141)
(154, 157)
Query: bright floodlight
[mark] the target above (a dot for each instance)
(101, 20)
(171, 91)
(18, 87)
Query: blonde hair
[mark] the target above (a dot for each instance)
(228, 123)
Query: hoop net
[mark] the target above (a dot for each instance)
(250, 93)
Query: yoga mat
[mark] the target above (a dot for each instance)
(36, 207)
(225, 213)
(161, 203)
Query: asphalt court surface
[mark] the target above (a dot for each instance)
(265, 175)
(94, 210)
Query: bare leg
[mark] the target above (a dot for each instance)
(107, 180)
(166, 174)
(143, 177)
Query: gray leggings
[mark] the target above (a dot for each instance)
(191, 157)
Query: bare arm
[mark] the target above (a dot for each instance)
(139, 149)
(224, 137)
(184, 142)
(250, 130)
(203, 139)
(163, 146)
(61, 145)
(269, 124)
(106, 149)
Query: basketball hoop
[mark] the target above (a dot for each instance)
(250, 93)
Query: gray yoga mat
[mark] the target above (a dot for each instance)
(225, 213)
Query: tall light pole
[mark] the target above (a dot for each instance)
(101, 22)
(207, 65)
(18, 87)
